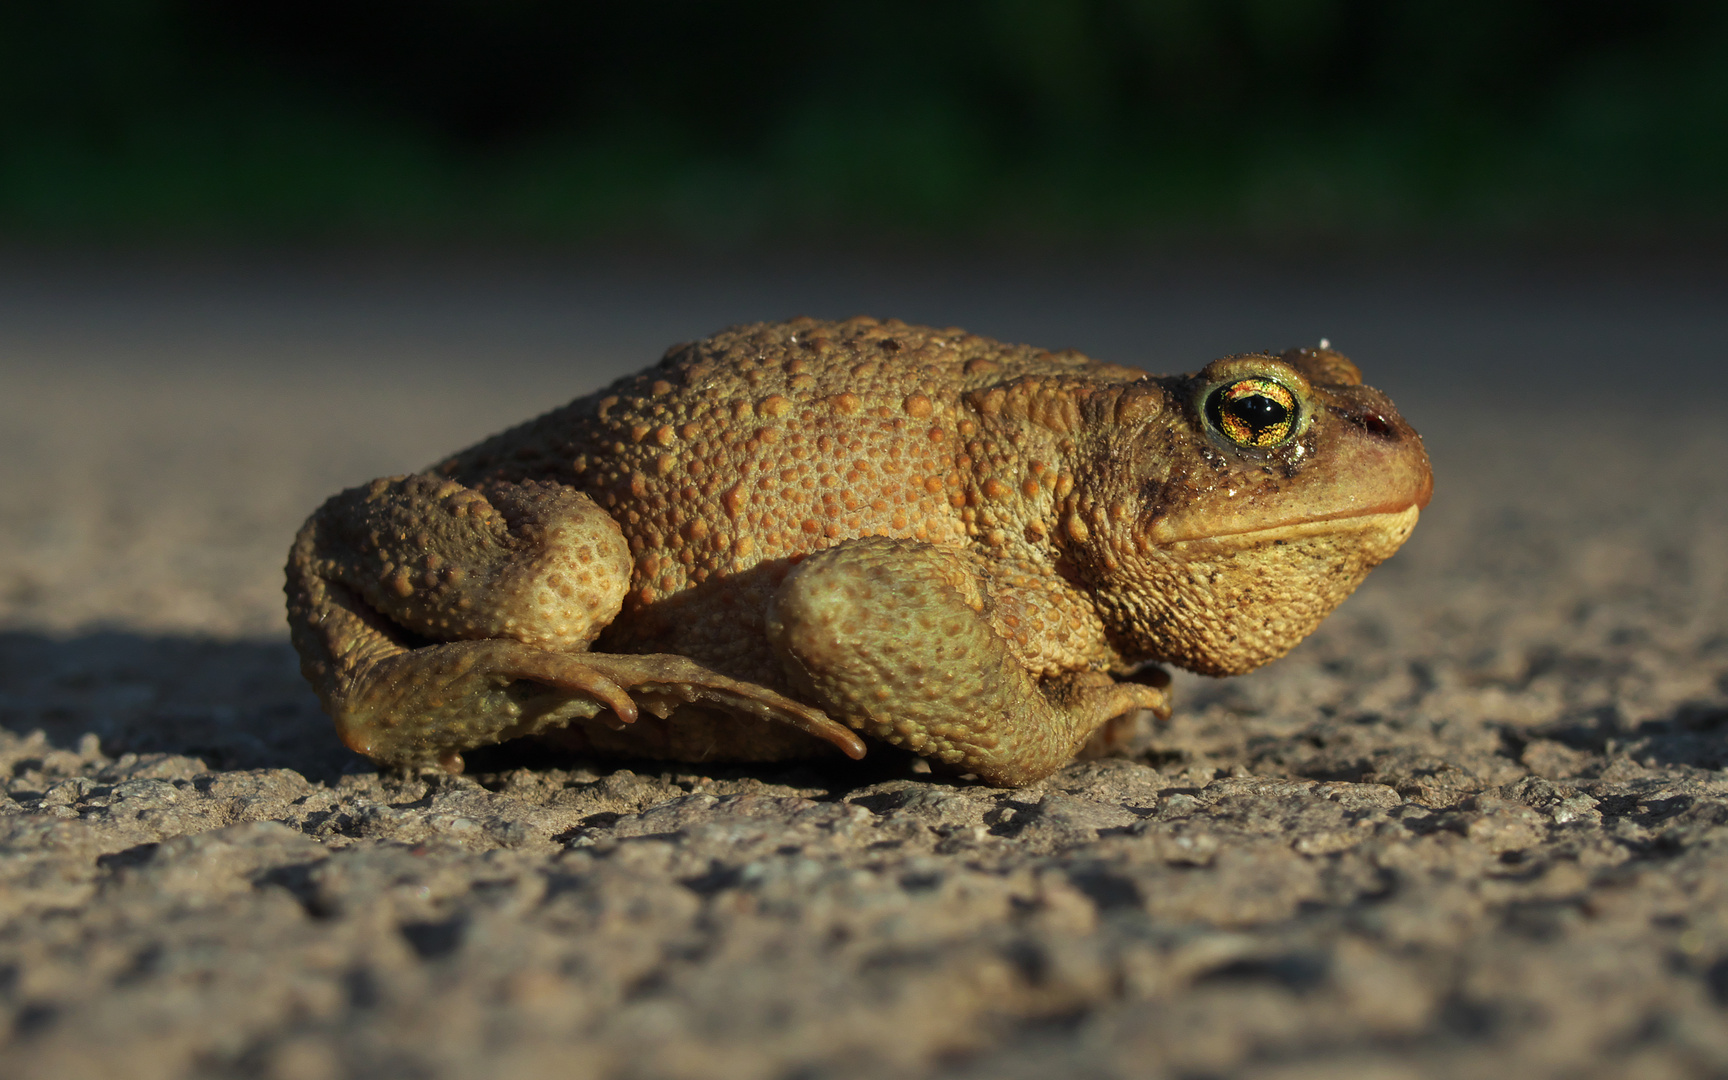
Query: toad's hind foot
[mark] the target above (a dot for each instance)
(660, 682)
(431, 703)
(432, 617)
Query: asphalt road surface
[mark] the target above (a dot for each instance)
(1476, 826)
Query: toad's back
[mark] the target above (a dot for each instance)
(776, 440)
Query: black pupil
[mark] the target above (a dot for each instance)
(1258, 411)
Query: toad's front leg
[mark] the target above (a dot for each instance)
(433, 617)
(896, 638)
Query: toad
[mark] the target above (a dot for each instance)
(791, 537)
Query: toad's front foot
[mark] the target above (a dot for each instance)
(897, 638)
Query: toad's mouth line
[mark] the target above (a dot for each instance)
(1376, 519)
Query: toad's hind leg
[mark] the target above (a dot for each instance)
(432, 617)
(895, 638)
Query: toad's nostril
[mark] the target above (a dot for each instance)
(1378, 425)
(1371, 420)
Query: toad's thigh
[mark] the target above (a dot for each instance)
(539, 564)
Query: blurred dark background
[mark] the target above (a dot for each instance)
(551, 120)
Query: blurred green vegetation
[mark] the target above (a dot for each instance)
(559, 119)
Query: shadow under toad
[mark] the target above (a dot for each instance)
(1695, 734)
(233, 704)
(243, 705)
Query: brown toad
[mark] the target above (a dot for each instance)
(791, 533)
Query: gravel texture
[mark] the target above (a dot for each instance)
(1476, 826)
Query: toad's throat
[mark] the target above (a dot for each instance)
(1376, 519)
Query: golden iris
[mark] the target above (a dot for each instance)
(1253, 412)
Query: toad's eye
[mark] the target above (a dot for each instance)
(1253, 412)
